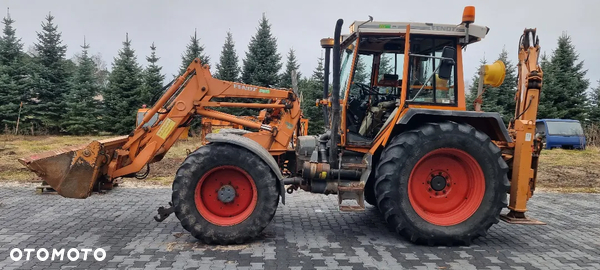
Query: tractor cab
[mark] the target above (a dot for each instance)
(388, 66)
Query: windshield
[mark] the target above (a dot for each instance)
(346, 68)
(564, 128)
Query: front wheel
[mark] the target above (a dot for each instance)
(442, 183)
(224, 194)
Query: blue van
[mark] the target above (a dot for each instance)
(561, 133)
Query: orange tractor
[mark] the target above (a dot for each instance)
(398, 137)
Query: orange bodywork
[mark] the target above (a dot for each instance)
(189, 95)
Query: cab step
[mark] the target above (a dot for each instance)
(353, 192)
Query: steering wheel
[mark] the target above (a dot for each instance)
(366, 88)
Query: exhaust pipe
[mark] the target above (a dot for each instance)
(335, 97)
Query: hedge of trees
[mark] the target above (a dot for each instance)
(44, 92)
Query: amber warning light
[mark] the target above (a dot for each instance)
(468, 15)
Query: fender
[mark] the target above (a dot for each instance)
(254, 147)
(489, 123)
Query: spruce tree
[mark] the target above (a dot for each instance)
(291, 65)
(312, 89)
(262, 62)
(595, 105)
(153, 79)
(83, 109)
(13, 75)
(563, 92)
(52, 75)
(228, 69)
(122, 97)
(192, 51)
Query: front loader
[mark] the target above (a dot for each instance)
(398, 137)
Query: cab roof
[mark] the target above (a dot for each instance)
(476, 32)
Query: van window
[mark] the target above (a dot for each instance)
(564, 128)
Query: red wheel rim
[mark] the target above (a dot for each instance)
(226, 195)
(446, 187)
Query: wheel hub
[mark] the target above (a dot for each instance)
(226, 194)
(438, 183)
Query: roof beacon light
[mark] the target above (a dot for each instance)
(468, 15)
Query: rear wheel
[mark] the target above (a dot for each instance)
(443, 183)
(224, 194)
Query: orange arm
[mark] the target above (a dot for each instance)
(189, 95)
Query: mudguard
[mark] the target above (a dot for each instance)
(488, 122)
(254, 147)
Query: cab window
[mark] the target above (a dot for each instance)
(425, 84)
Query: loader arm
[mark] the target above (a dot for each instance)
(188, 96)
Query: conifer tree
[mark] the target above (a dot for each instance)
(122, 97)
(52, 75)
(563, 92)
(83, 109)
(153, 79)
(291, 65)
(311, 90)
(13, 75)
(192, 51)
(228, 69)
(262, 62)
(595, 105)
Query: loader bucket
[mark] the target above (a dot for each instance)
(73, 171)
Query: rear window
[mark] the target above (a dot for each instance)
(564, 128)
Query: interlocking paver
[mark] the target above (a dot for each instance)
(307, 233)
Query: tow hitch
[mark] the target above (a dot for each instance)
(163, 213)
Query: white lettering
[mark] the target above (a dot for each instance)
(12, 254)
(85, 252)
(40, 257)
(28, 250)
(57, 253)
(69, 254)
(103, 254)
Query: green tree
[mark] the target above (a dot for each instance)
(153, 78)
(83, 107)
(563, 92)
(262, 62)
(192, 51)
(228, 69)
(51, 73)
(13, 74)
(122, 97)
(595, 105)
(291, 65)
(311, 89)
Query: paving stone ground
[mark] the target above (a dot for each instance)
(307, 233)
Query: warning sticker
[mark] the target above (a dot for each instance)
(167, 126)
(527, 137)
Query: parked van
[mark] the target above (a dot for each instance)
(561, 133)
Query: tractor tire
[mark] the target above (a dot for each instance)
(224, 194)
(441, 184)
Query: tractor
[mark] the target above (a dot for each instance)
(398, 137)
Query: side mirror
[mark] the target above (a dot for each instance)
(446, 65)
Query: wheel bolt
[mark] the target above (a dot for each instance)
(444, 191)
(448, 185)
(436, 193)
(429, 189)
